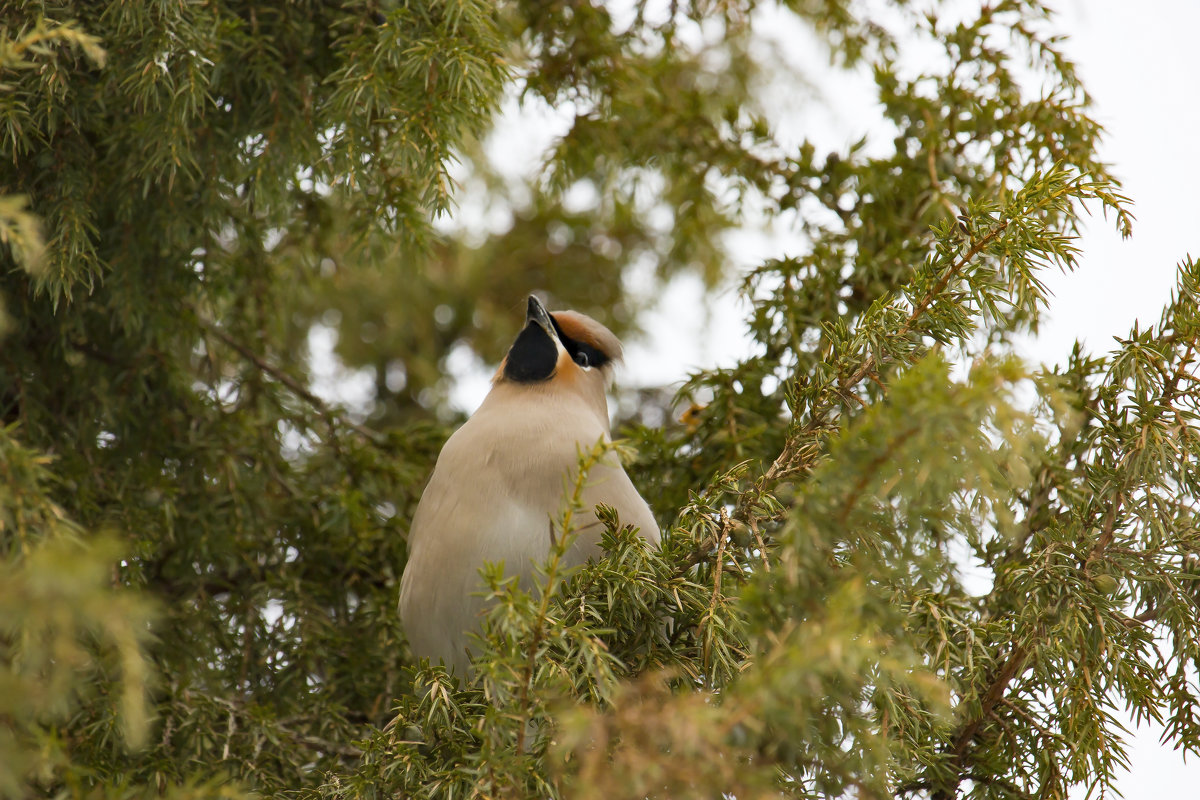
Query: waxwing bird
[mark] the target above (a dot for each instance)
(499, 481)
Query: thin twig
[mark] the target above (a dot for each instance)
(557, 551)
(966, 734)
(331, 417)
(869, 472)
(762, 546)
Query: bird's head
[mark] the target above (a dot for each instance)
(561, 350)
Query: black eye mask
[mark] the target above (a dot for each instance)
(582, 353)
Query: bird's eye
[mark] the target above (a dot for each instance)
(581, 358)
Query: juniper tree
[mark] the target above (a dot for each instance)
(199, 556)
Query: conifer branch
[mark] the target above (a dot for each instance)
(785, 463)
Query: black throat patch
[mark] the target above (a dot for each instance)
(532, 357)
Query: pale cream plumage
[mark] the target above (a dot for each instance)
(499, 481)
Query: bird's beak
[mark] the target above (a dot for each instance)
(537, 314)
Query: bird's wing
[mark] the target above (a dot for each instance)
(609, 484)
(458, 526)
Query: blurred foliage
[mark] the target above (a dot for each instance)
(898, 562)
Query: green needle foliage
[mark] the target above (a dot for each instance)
(897, 561)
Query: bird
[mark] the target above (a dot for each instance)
(500, 480)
